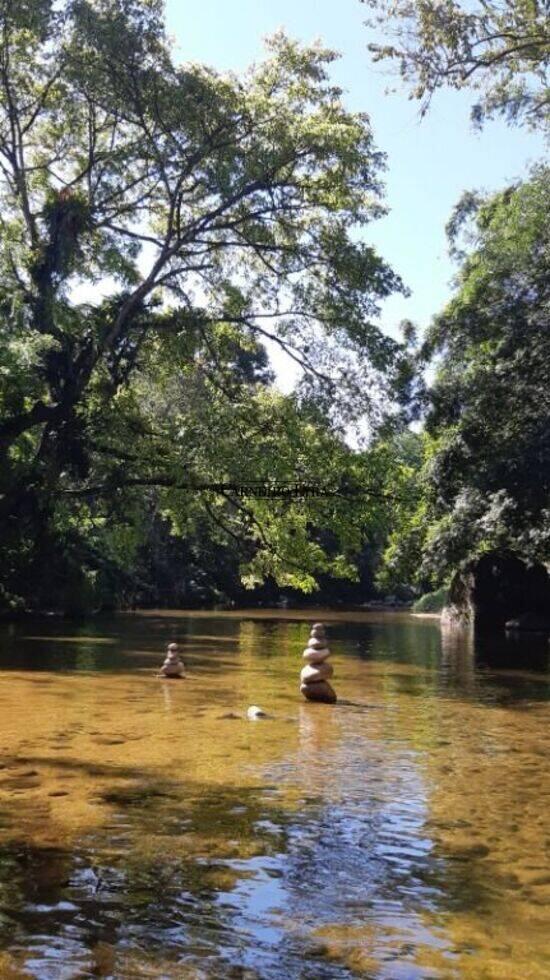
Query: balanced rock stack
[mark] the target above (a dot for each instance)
(172, 666)
(315, 676)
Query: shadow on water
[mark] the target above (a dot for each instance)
(174, 879)
(111, 906)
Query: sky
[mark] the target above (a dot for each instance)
(430, 162)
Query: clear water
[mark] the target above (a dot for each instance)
(148, 829)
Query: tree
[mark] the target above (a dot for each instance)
(158, 223)
(485, 483)
(498, 48)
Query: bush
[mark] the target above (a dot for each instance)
(432, 602)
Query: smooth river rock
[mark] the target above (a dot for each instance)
(316, 656)
(254, 712)
(316, 644)
(319, 691)
(172, 670)
(317, 672)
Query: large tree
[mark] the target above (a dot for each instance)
(500, 49)
(485, 483)
(158, 222)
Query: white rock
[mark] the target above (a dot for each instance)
(314, 644)
(255, 712)
(317, 672)
(316, 656)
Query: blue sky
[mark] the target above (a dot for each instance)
(430, 162)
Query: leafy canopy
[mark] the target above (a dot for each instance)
(500, 49)
(485, 481)
(160, 222)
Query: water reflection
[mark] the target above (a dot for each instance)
(148, 829)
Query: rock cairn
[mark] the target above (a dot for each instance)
(172, 666)
(315, 676)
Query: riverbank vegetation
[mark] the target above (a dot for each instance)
(485, 476)
(165, 230)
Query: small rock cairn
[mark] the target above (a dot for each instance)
(315, 676)
(172, 666)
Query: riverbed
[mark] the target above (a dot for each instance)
(149, 829)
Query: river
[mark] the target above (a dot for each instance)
(148, 829)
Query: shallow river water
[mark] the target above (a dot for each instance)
(148, 829)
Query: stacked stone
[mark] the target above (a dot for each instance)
(172, 666)
(316, 674)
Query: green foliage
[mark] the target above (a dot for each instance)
(403, 541)
(485, 480)
(500, 49)
(160, 223)
(432, 602)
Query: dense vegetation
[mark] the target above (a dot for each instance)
(485, 481)
(164, 228)
(159, 223)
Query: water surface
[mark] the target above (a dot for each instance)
(148, 829)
